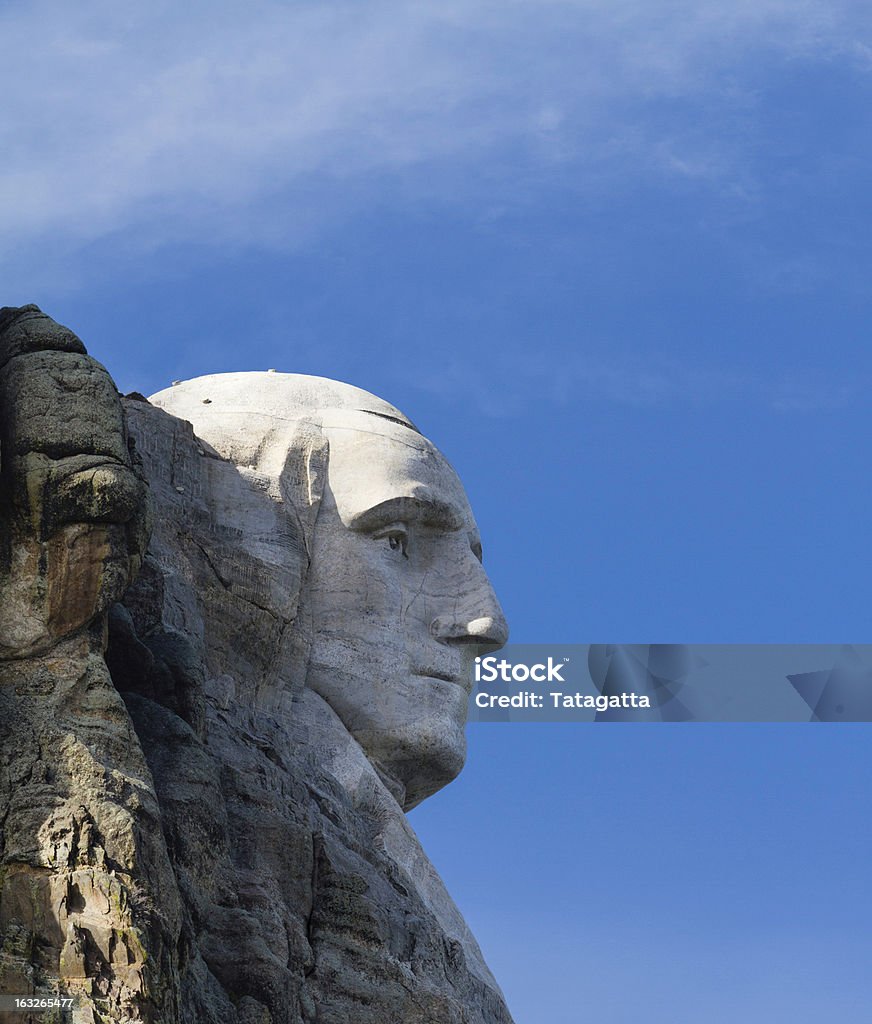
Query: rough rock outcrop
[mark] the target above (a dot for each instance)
(87, 891)
(195, 837)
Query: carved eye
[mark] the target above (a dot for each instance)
(397, 538)
(399, 541)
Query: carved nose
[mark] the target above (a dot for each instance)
(474, 616)
(488, 632)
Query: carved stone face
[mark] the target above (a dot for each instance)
(398, 601)
(395, 603)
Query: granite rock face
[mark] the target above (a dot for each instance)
(196, 821)
(87, 891)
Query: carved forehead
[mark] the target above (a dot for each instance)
(376, 453)
(376, 464)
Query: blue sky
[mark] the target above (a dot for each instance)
(613, 258)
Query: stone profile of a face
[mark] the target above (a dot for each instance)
(394, 602)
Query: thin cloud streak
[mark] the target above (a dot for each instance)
(521, 383)
(250, 125)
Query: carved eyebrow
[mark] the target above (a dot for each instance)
(428, 511)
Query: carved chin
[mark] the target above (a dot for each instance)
(419, 762)
(412, 731)
(440, 774)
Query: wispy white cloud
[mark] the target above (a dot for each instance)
(521, 382)
(254, 123)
